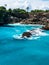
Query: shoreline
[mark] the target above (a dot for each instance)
(15, 24)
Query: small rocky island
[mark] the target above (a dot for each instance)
(46, 27)
(26, 34)
(35, 32)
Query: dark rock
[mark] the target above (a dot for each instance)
(1, 24)
(27, 34)
(45, 28)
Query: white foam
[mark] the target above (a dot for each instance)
(17, 37)
(15, 24)
(20, 37)
(32, 38)
(27, 30)
(38, 32)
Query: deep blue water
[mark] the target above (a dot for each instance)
(23, 52)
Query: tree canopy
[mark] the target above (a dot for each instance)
(5, 14)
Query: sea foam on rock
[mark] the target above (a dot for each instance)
(35, 32)
(31, 34)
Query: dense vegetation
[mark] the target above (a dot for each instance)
(15, 15)
(40, 10)
(10, 16)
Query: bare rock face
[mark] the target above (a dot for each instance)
(26, 34)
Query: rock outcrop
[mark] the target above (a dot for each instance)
(26, 34)
(36, 18)
(45, 28)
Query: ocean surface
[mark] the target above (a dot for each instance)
(13, 51)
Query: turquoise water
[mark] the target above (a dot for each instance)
(23, 52)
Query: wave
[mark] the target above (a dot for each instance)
(17, 37)
(15, 24)
(37, 33)
(30, 38)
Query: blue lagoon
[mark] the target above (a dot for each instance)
(33, 51)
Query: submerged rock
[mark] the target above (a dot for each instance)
(26, 34)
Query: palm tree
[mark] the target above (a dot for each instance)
(27, 9)
(5, 5)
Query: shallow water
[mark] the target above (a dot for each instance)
(23, 52)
